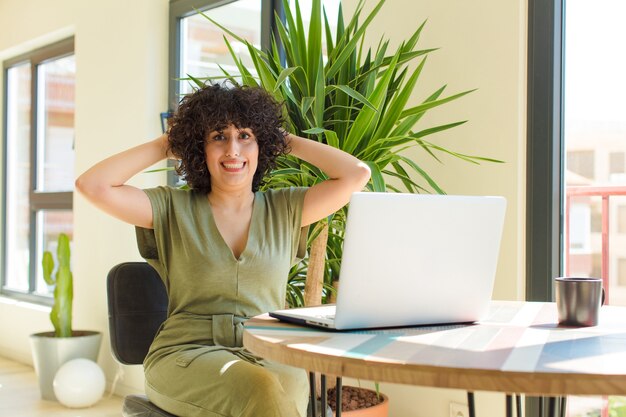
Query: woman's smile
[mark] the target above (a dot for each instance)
(232, 156)
(233, 166)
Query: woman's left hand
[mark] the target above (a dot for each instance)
(346, 175)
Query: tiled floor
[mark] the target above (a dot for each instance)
(19, 397)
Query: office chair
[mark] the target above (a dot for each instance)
(137, 306)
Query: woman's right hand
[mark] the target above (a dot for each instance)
(166, 149)
(104, 184)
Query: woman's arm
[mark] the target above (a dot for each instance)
(104, 183)
(346, 175)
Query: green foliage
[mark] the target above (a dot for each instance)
(355, 100)
(61, 314)
(617, 406)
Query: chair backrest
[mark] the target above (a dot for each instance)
(137, 306)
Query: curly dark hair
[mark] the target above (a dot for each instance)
(214, 107)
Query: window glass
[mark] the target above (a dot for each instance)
(39, 169)
(621, 219)
(594, 130)
(17, 227)
(616, 163)
(55, 124)
(580, 166)
(203, 50)
(621, 272)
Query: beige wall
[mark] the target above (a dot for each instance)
(121, 87)
(483, 46)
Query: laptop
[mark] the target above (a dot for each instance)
(412, 259)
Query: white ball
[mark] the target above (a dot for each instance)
(79, 383)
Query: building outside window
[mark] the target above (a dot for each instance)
(581, 162)
(198, 47)
(621, 271)
(203, 51)
(38, 166)
(617, 163)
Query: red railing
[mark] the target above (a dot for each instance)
(593, 191)
(605, 192)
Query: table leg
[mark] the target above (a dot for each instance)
(338, 388)
(518, 401)
(313, 398)
(555, 406)
(324, 393)
(544, 406)
(470, 404)
(552, 406)
(509, 405)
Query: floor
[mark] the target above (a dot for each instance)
(19, 397)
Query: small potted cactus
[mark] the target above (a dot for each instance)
(53, 349)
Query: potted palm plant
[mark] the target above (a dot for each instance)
(354, 98)
(53, 349)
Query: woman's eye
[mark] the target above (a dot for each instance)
(245, 135)
(218, 137)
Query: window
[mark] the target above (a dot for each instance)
(621, 218)
(204, 52)
(621, 272)
(197, 46)
(38, 168)
(570, 61)
(581, 163)
(544, 149)
(617, 163)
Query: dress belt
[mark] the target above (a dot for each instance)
(226, 334)
(227, 329)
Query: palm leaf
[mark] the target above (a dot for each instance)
(356, 101)
(283, 76)
(352, 93)
(328, 33)
(393, 112)
(423, 174)
(431, 104)
(314, 57)
(354, 39)
(378, 182)
(365, 122)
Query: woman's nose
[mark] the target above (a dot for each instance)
(233, 147)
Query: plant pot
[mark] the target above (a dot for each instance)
(50, 352)
(379, 410)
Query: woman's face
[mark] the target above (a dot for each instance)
(232, 157)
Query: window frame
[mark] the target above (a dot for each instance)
(38, 200)
(544, 196)
(544, 156)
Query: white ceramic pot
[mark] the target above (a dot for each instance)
(50, 352)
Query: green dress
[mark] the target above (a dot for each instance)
(196, 365)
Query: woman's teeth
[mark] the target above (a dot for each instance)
(238, 165)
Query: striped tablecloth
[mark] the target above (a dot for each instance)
(518, 348)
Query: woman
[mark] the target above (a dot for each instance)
(223, 248)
